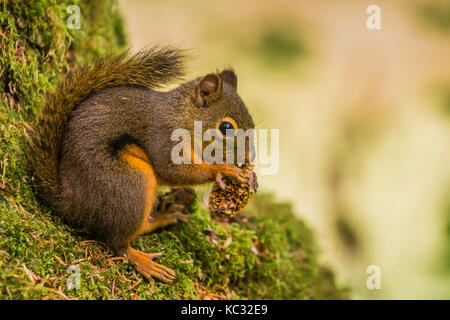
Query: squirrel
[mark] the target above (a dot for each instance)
(101, 145)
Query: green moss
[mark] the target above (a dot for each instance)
(265, 253)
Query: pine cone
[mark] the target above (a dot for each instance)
(229, 201)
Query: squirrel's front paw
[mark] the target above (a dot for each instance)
(233, 172)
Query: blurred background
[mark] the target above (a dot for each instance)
(364, 120)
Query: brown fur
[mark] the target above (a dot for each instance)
(101, 143)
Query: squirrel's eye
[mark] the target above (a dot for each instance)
(224, 126)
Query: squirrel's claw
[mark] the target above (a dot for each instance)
(153, 256)
(180, 216)
(219, 180)
(244, 180)
(183, 217)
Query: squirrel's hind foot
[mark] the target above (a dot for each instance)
(148, 268)
(177, 200)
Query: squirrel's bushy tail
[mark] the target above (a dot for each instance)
(149, 68)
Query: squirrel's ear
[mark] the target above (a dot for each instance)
(209, 89)
(229, 77)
